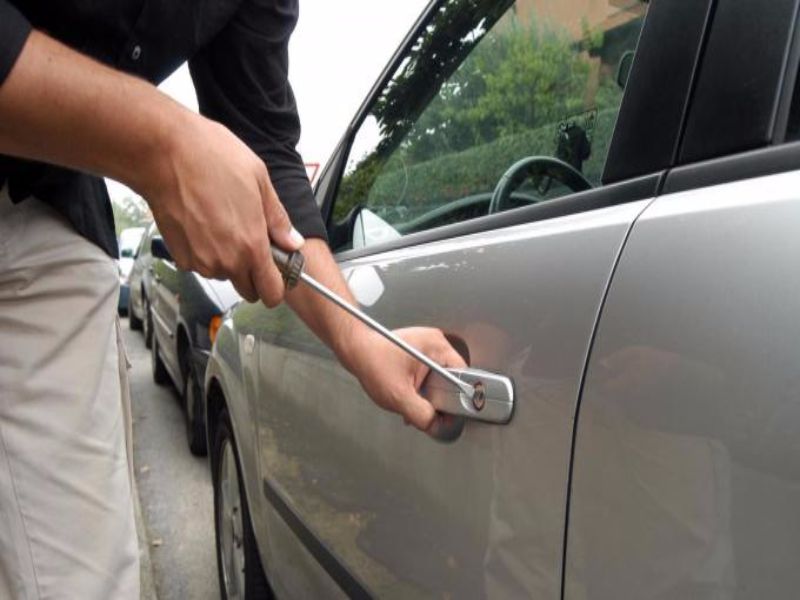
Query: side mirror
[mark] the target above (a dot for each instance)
(369, 229)
(159, 249)
(126, 253)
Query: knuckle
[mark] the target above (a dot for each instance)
(253, 249)
(277, 214)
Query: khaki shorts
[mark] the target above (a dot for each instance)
(66, 512)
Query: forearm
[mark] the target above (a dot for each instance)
(336, 328)
(61, 107)
(387, 374)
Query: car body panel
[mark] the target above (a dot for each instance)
(653, 357)
(686, 477)
(164, 306)
(140, 277)
(405, 514)
(129, 241)
(183, 304)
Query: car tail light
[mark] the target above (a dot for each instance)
(213, 327)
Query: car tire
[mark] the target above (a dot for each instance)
(241, 574)
(134, 322)
(192, 406)
(147, 324)
(160, 375)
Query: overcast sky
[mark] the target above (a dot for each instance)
(337, 52)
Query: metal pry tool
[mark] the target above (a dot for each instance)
(291, 267)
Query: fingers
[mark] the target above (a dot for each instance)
(417, 411)
(448, 357)
(244, 286)
(267, 278)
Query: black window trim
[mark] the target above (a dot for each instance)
(771, 159)
(639, 186)
(624, 192)
(335, 167)
(789, 79)
(761, 162)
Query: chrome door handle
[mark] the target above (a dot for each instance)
(494, 402)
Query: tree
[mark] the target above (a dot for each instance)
(130, 211)
(476, 76)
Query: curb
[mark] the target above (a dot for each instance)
(147, 581)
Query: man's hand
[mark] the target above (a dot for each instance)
(211, 196)
(217, 210)
(392, 378)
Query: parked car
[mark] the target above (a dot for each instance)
(599, 200)
(140, 283)
(186, 312)
(128, 242)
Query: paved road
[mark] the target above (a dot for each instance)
(174, 487)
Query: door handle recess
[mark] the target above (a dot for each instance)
(493, 401)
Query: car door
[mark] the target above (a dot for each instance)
(686, 477)
(362, 505)
(165, 289)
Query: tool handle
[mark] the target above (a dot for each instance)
(290, 264)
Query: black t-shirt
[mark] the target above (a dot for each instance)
(238, 58)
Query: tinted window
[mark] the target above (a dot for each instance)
(484, 86)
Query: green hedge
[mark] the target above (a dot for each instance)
(425, 186)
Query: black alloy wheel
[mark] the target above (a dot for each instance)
(160, 375)
(193, 408)
(148, 324)
(134, 322)
(241, 576)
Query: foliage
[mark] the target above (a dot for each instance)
(131, 211)
(453, 32)
(517, 79)
(420, 188)
(461, 129)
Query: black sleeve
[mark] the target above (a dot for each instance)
(241, 78)
(14, 31)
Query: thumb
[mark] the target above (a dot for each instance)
(281, 231)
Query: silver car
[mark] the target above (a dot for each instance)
(140, 284)
(600, 201)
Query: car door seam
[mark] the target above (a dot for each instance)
(660, 184)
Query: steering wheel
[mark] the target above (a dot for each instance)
(536, 166)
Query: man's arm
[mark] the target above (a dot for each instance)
(242, 80)
(210, 194)
(388, 375)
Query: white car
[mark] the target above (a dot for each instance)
(129, 240)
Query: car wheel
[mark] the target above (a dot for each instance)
(241, 575)
(134, 322)
(160, 375)
(195, 424)
(147, 324)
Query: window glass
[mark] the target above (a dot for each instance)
(486, 85)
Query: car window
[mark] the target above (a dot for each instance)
(497, 105)
(144, 246)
